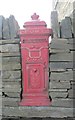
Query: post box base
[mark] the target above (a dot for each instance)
(35, 102)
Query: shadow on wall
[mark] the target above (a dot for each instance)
(8, 27)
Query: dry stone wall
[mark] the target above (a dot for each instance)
(54, 23)
(8, 27)
(60, 85)
(61, 68)
(11, 73)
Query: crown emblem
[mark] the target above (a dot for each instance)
(35, 16)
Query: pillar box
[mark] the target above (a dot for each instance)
(35, 58)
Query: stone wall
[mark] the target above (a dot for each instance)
(8, 27)
(63, 29)
(11, 73)
(60, 85)
(61, 77)
(66, 17)
(55, 24)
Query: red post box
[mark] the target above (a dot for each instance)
(35, 58)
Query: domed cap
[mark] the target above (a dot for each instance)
(35, 22)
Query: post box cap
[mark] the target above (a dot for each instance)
(35, 22)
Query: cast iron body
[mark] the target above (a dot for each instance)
(35, 58)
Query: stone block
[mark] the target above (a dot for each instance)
(1, 22)
(13, 84)
(60, 65)
(61, 57)
(6, 60)
(58, 94)
(54, 51)
(71, 41)
(58, 70)
(66, 76)
(11, 80)
(71, 93)
(12, 94)
(60, 45)
(58, 85)
(12, 54)
(43, 112)
(60, 41)
(10, 48)
(10, 66)
(8, 41)
(5, 31)
(13, 26)
(54, 23)
(11, 75)
(11, 102)
(57, 90)
(66, 28)
(66, 103)
(13, 87)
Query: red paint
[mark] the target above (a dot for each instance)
(34, 52)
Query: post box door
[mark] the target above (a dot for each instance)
(35, 75)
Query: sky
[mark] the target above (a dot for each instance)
(23, 9)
